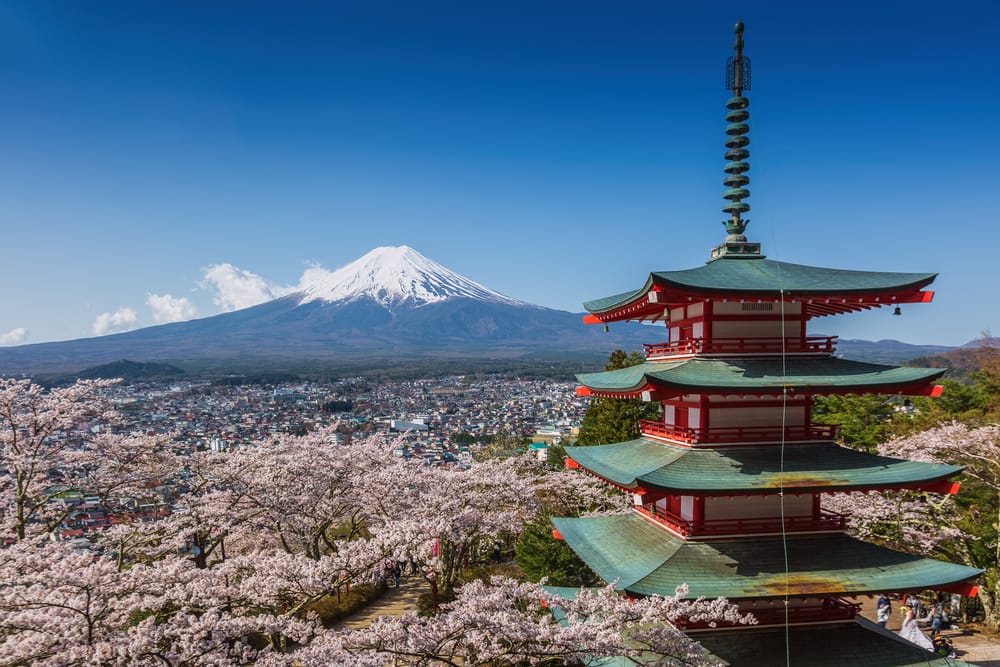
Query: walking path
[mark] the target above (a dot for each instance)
(393, 602)
(970, 647)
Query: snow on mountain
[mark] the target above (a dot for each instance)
(393, 276)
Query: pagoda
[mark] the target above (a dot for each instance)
(727, 487)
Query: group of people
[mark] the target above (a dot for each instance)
(909, 628)
(393, 570)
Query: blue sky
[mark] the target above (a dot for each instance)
(177, 158)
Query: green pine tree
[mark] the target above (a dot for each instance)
(539, 554)
(609, 420)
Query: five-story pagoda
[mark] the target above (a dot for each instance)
(727, 487)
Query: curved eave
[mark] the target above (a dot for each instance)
(822, 291)
(829, 468)
(858, 644)
(760, 376)
(647, 560)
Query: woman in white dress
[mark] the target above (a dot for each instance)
(911, 632)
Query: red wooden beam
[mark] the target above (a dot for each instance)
(556, 534)
(570, 463)
(961, 588)
(583, 391)
(943, 486)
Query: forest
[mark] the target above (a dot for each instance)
(263, 549)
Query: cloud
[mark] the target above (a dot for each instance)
(14, 336)
(237, 288)
(122, 319)
(167, 308)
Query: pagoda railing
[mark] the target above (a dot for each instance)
(831, 609)
(738, 434)
(807, 345)
(746, 526)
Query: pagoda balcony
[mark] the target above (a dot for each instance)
(726, 435)
(709, 528)
(831, 609)
(741, 346)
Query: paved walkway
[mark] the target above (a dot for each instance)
(970, 647)
(393, 602)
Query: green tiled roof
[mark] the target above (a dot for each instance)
(857, 644)
(646, 560)
(767, 277)
(819, 467)
(747, 375)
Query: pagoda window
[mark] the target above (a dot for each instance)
(769, 328)
(687, 508)
(757, 416)
(757, 507)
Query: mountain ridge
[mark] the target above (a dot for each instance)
(390, 307)
(393, 275)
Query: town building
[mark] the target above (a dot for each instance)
(727, 487)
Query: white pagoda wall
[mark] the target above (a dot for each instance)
(755, 416)
(751, 507)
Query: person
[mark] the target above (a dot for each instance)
(943, 647)
(911, 632)
(397, 572)
(937, 617)
(883, 608)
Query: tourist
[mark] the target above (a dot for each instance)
(883, 608)
(937, 616)
(943, 647)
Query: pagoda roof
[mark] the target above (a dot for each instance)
(646, 559)
(761, 278)
(751, 469)
(860, 643)
(759, 375)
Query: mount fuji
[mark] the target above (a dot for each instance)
(391, 307)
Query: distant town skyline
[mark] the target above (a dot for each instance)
(165, 161)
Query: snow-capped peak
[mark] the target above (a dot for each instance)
(390, 276)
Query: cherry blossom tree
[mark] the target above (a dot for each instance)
(260, 535)
(505, 622)
(35, 427)
(909, 520)
(923, 522)
(978, 449)
(61, 606)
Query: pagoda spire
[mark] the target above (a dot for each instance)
(736, 180)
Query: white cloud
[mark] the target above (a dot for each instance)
(167, 308)
(14, 336)
(237, 288)
(122, 319)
